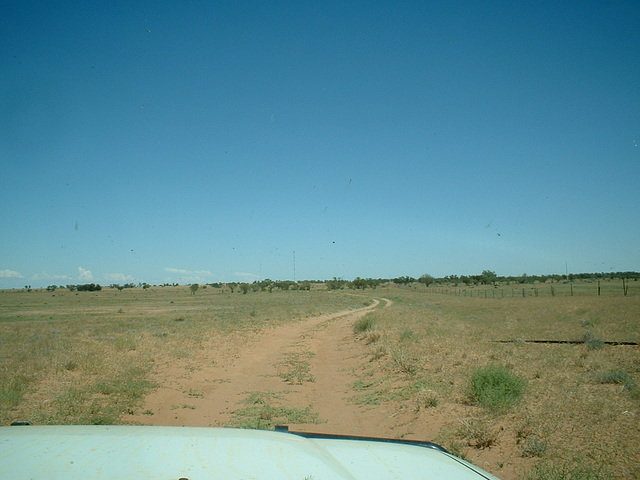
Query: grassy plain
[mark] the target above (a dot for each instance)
(580, 411)
(88, 357)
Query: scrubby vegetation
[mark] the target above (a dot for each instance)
(459, 370)
(464, 359)
(495, 387)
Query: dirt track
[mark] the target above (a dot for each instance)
(204, 391)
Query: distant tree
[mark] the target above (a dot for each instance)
(454, 279)
(284, 284)
(373, 282)
(194, 288)
(51, 288)
(244, 288)
(403, 280)
(488, 277)
(524, 278)
(335, 284)
(358, 283)
(426, 279)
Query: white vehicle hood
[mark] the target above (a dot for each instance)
(194, 453)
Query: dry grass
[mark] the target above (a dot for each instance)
(295, 368)
(88, 357)
(581, 404)
(264, 410)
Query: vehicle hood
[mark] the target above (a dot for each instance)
(196, 453)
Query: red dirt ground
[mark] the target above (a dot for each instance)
(205, 389)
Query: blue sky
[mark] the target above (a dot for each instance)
(209, 141)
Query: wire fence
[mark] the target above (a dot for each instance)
(608, 288)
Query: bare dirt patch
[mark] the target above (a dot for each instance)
(206, 389)
(308, 368)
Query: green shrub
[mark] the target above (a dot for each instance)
(620, 377)
(495, 387)
(617, 376)
(591, 341)
(594, 344)
(364, 324)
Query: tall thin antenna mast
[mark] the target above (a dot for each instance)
(294, 265)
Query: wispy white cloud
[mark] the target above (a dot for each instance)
(247, 276)
(84, 275)
(10, 274)
(189, 276)
(49, 276)
(119, 277)
(180, 271)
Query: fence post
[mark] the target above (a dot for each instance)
(598, 287)
(523, 295)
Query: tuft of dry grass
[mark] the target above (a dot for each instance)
(263, 411)
(295, 368)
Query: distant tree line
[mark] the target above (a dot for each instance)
(490, 278)
(487, 277)
(122, 287)
(87, 287)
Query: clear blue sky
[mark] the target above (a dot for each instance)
(207, 141)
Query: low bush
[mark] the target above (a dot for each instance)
(364, 324)
(617, 376)
(591, 341)
(495, 387)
